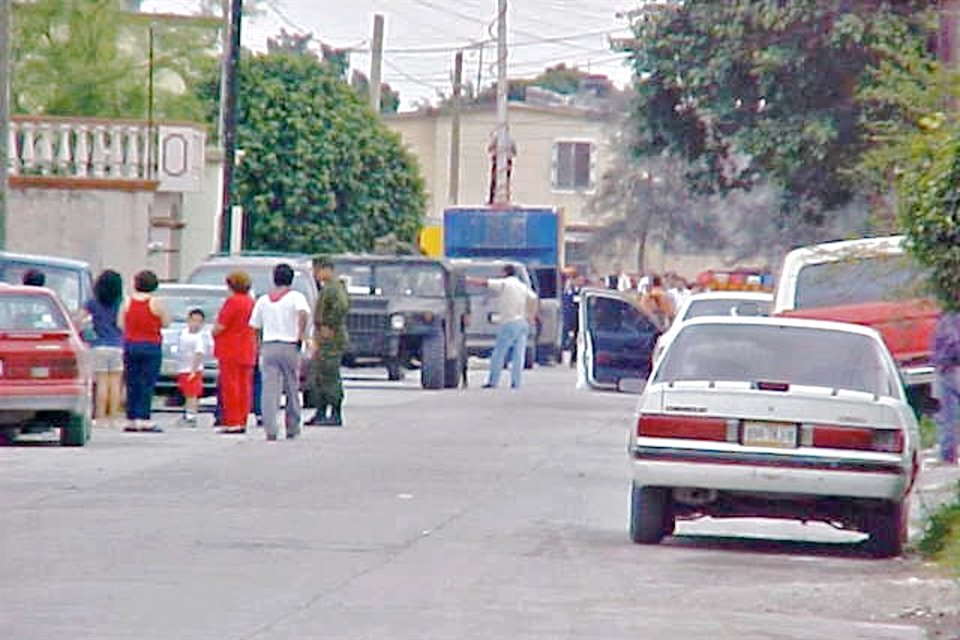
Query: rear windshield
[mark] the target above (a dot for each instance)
(66, 283)
(260, 275)
(20, 312)
(727, 307)
(857, 281)
(751, 353)
(180, 304)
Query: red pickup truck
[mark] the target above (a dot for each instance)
(868, 282)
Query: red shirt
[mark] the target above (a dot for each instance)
(237, 342)
(140, 324)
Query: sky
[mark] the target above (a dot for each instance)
(422, 36)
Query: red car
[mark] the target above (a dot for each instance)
(45, 378)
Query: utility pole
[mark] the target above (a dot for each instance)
(502, 193)
(232, 52)
(376, 62)
(454, 195)
(6, 9)
(224, 66)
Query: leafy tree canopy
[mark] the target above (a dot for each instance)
(769, 90)
(91, 58)
(320, 172)
(929, 192)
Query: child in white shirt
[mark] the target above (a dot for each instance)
(191, 352)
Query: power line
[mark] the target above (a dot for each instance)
(274, 6)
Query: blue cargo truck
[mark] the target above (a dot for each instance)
(532, 235)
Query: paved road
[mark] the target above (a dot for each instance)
(458, 514)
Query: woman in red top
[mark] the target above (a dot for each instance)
(142, 317)
(236, 350)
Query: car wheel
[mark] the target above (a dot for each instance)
(648, 507)
(887, 528)
(434, 352)
(394, 370)
(76, 431)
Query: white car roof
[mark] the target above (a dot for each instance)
(801, 323)
(831, 251)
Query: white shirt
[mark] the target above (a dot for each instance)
(513, 299)
(279, 321)
(190, 344)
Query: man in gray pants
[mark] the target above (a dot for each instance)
(281, 317)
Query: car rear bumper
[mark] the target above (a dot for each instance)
(770, 472)
(73, 401)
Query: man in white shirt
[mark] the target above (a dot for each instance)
(514, 299)
(281, 318)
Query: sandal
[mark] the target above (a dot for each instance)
(233, 431)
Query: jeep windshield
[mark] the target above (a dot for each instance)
(857, 281)
(420, 280)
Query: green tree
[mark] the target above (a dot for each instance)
(773, 91)
(929, 191)
(319, 170)
(90, 58)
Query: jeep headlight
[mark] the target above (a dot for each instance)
(398, 322)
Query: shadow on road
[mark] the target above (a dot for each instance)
(741, 544)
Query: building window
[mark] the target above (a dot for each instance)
(573, 166)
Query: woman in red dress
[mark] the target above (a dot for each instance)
(235, 347)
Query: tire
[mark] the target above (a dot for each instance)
(76, 431)
(434, 356)
(887, 528)
(451, 375)
(648, 509)
(394, 370)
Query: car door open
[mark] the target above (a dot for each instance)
(617, 338)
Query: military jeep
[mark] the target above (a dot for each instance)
(405, 311)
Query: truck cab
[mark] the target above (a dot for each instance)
(532, 235)
(870, 282)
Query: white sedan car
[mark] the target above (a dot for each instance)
(715, 303)
(778, 418)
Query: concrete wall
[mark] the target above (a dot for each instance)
(106, 227)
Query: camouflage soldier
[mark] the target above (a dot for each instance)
(330, 341)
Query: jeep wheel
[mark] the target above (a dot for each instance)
(451, 377)
(394, 370)
(76, 430)
(434, 355)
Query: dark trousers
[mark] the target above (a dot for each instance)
(141, 362)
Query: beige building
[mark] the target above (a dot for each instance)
(561, 152)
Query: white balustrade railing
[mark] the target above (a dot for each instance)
(107, 149)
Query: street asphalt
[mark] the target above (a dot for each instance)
(455, 514)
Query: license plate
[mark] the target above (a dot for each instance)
(40, 372)
(770, 434)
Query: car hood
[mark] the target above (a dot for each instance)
(801, 404)
(907, 326)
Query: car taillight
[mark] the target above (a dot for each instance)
(684, 427)
(857, 438)
(64, 367)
